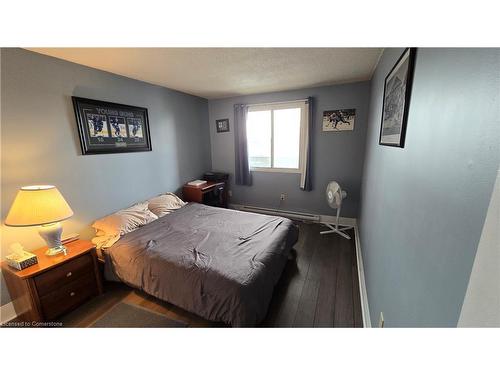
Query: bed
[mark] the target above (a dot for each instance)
(218, 263)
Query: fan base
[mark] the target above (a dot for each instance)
(339, 229)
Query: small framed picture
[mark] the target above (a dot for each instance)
(397, 92)
(222, 126)
(339, 120)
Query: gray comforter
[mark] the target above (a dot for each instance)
(217, 263)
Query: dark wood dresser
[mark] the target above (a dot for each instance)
(57, 284)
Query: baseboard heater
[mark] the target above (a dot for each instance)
(277, 212)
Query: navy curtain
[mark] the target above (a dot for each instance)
(242, 169)
(307, 184)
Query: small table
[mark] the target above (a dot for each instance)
(57, 284)
(211, 193)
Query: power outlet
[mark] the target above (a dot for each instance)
(230, 193)
(381, 321)
(282, 196)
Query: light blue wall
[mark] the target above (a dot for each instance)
(40, 140)
(4, 296)
(423, 206)
(335, 155)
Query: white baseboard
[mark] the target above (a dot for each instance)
(322, 218)
(365, 308)
(349, 221)
(7, 313)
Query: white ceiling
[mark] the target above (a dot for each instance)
(222, 72)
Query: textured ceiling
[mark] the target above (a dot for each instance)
(221, 72)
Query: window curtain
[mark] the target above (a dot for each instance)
(242, 169)
(305, 177)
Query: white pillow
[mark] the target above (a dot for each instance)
(124, 221)
(103, 242)
(165, 204)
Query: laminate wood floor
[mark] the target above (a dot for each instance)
(318, 288)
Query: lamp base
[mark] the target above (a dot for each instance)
(51, 233)
(56, 251)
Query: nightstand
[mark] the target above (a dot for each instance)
(57, 284)
(210, 193)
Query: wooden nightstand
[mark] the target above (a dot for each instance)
(210, 193)
(57, 284)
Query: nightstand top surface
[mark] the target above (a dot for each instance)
(45, 262)
(206, 185)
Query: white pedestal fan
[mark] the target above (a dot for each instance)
(334, 196)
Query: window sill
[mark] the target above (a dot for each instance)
(275, 170)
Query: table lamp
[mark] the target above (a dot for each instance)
(41, 205)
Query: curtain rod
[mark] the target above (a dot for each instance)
(284, 102)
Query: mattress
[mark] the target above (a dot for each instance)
(218, 263)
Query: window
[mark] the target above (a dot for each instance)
(276, 137)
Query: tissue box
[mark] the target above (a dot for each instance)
(21, 260)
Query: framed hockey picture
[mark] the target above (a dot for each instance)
(106, 127)
(397, 93)
(222, 126)
(339, 120)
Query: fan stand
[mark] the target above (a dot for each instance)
(339, 229)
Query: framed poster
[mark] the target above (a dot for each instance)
(339, 120)
(106, 128)
(222, 126)
(397, 92)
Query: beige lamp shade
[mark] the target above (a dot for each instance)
(38, 205)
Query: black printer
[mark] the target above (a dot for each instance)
(216, 176)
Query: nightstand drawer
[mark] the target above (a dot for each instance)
(68, 297)
(55, 278)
